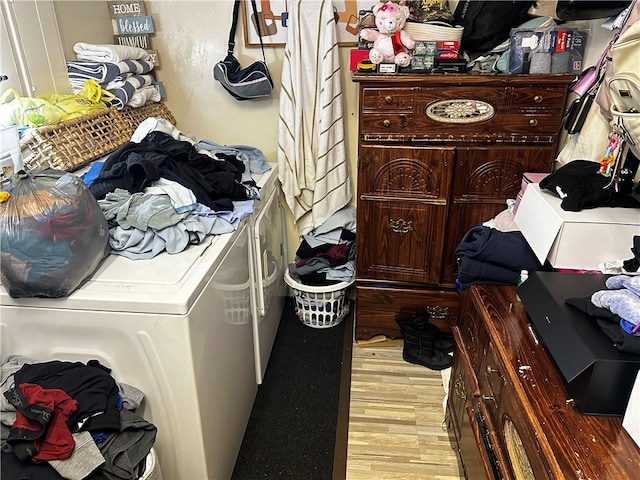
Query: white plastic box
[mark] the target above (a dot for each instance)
(575, 240)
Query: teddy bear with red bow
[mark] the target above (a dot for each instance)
(390, 42)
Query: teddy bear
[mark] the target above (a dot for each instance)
(390, 42)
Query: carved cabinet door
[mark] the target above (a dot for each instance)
(402, 199)
(483, 178)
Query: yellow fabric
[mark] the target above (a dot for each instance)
(94, 92)
(90, 99)
(27, 111)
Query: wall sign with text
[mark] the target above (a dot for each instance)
(132, 26)
(142, 25)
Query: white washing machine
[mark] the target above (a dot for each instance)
(181, 328)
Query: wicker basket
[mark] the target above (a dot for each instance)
(135, 116)
(71, 144)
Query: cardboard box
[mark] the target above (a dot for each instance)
(575, 240)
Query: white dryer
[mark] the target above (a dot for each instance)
(269, 254)
(181, 328)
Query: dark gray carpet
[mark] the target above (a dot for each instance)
(292, 429)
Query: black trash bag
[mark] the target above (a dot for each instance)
(53, 234)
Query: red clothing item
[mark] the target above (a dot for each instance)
(57, 442)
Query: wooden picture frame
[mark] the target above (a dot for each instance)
(274, 21)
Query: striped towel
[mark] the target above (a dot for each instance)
(109, 53)
(312, 156)
(105, 72)
(125, 89)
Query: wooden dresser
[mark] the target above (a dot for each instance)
(439, 153)
(508, 406)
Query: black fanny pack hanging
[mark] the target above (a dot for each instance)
(249, 83)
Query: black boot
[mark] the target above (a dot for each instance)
(419, 347)
(419, 322)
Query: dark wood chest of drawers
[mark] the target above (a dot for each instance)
(438, 154)
(509, 409)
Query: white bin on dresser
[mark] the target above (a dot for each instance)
(162, 325)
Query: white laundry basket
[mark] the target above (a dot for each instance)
(236, 301)
(320, 307)
(152, 467)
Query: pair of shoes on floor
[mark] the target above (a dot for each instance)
(423, 344)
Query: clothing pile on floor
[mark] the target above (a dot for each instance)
(163, 190)
(70, 420)
(124, 71)
(326, 254)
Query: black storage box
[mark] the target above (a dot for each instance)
(598, 376)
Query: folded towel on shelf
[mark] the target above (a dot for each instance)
(126, 89)
(144, 95)
(105, 72)
(99, 71)
(109, 53)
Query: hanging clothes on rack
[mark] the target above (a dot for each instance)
(312, 155)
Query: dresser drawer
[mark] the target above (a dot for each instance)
(538, 100)
(387, 111)
(490, 382)
(460, 113)
(378, 305)
(388, 99)
(536, 111)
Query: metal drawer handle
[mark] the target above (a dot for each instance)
(537, 99)
(533, 122)
(490, 369)
(401, 226)
(386, 122)
(388, 99)
(437, 312)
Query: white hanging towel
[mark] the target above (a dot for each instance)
(312, 156)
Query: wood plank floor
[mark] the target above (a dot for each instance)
(396, 419)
